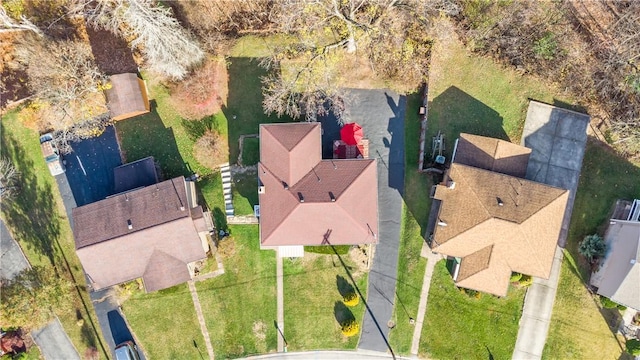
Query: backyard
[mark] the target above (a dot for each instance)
(37, 220)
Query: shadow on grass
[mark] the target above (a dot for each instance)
(31, 213)
(343, 286)
(146, 135)
(342, 313)
(244, 102)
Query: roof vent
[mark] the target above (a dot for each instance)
(500, 202)
(333, 197)
(285, 185)
(451, 185)
(261, 190)
(181, 208)
(129, 224)
(633, 261)
(300, 197)
(442, 223)
(126, 198)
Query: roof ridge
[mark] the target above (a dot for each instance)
(285, 215)
(371, 161)
(313, 125)
(476, 197)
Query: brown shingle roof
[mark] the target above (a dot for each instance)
(521, 219)
(492, 154)
(111, 253)
(474, 263)
(127, 96)
(352, 216)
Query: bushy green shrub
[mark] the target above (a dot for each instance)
(350, 328)
(633, 347)
(515, 277)
(610, 304)
(592, 247)
(351, 299)
(525, 280)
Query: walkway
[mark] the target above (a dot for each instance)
(557, 138)
(381, 114)
(54, 342)
(327, 355)
(203, 325)
(432, 259)
(280, 302)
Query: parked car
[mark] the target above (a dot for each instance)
(127, 351)
(51, 154)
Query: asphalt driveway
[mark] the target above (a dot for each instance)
(90, 167)
(381, 115)
(12, 258)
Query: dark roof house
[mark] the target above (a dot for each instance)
(154, 233)
(618, 276)
(305, 200)
(492, 220)
(127, 96)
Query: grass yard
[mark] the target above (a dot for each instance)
(37, 219)
(461, 326)
(240, 306)
(245, 191)
(251, 151)
(313, 306)
(165, 322)
(473, 94)
(579, 328)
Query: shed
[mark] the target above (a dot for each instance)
(127, 97)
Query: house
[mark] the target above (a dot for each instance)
(493, 222)
(155, 232)
(618, 276)
(308, 201)
(127, 97)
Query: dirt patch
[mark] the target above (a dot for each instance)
(260, 330)
(112, 54)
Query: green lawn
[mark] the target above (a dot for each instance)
(240, 306)
(251, 151)
(458, 326)
(245, 192)
(37, 219)
(579, 328)
(165, 322)
(312, 302)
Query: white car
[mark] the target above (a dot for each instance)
(51, 154)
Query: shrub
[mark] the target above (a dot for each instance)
(350, 328)
(515, 277)
(471, 293)
(546, 47)
(525, 280)
(610, 304)
(592, 247)
(351, 299)
(210, 149)
(201, 93)
(633, 347)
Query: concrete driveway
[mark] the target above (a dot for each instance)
(557, 138)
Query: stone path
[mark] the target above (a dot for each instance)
(225, 174)
(432, 259)
(203, 325)
(280, 302)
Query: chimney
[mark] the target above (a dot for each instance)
(129, 224)
(300, 197)
(333, 197)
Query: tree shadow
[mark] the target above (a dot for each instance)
(344, 287)
(342, 313)
(32, 212)
(13, 85)
(111, 53)
(243, 108)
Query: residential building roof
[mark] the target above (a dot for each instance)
(492, 154)
(496, 223)
(127, 96)
(305, 200)
(135, 174)
(619, 273)
(141, 233)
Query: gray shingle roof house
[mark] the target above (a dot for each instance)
(155, 233)
(492, 220)
(618, 276)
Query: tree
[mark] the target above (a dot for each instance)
(8, 179)
(64, 77)
(168, 48)
(633, 346)
(325, 35)
(27, 301)
(7, 24)
(592, 247)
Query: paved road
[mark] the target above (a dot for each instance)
(51, 339)
(381, 114)
(557, 138)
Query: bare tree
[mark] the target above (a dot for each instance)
(168, 48)
(326, 34)
(8, 179)
(7, 24)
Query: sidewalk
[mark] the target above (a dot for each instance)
(54, 342)
(432, 259)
